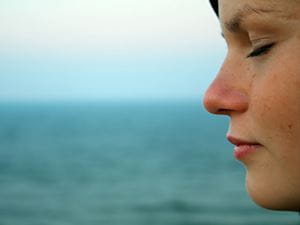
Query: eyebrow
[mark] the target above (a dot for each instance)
(234, 24)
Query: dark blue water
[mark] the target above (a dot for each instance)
(121, 164)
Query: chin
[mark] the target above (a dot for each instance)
(273, 197)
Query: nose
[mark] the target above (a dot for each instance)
(226, 94)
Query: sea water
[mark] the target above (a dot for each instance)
(121, 163)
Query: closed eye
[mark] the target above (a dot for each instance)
(261, 50)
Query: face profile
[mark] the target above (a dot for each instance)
(258, 87)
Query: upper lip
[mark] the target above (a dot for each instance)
(238, 142)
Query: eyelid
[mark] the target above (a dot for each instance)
(261, 50)
(259, 41)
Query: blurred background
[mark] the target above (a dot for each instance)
(101, 120)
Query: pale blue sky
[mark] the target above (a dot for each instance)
(102, 50)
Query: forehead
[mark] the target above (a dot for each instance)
(234, 11)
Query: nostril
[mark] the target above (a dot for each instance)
(225, 100)
(211, 104)
(226, 95)
(222, 111)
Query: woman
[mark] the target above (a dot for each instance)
(258, 87)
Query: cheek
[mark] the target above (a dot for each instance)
(275, 117)
(275, 107)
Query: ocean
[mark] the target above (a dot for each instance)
(122, 163)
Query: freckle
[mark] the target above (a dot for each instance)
(290, 126)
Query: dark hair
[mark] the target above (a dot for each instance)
(214, 4)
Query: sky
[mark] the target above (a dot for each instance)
(107, 50)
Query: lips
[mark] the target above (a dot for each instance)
(243, 148)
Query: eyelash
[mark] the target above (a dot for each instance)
(261, 51)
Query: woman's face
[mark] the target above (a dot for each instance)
(258, 87)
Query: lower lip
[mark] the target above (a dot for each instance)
(242, 151)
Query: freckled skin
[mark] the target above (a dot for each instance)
(261, 95)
